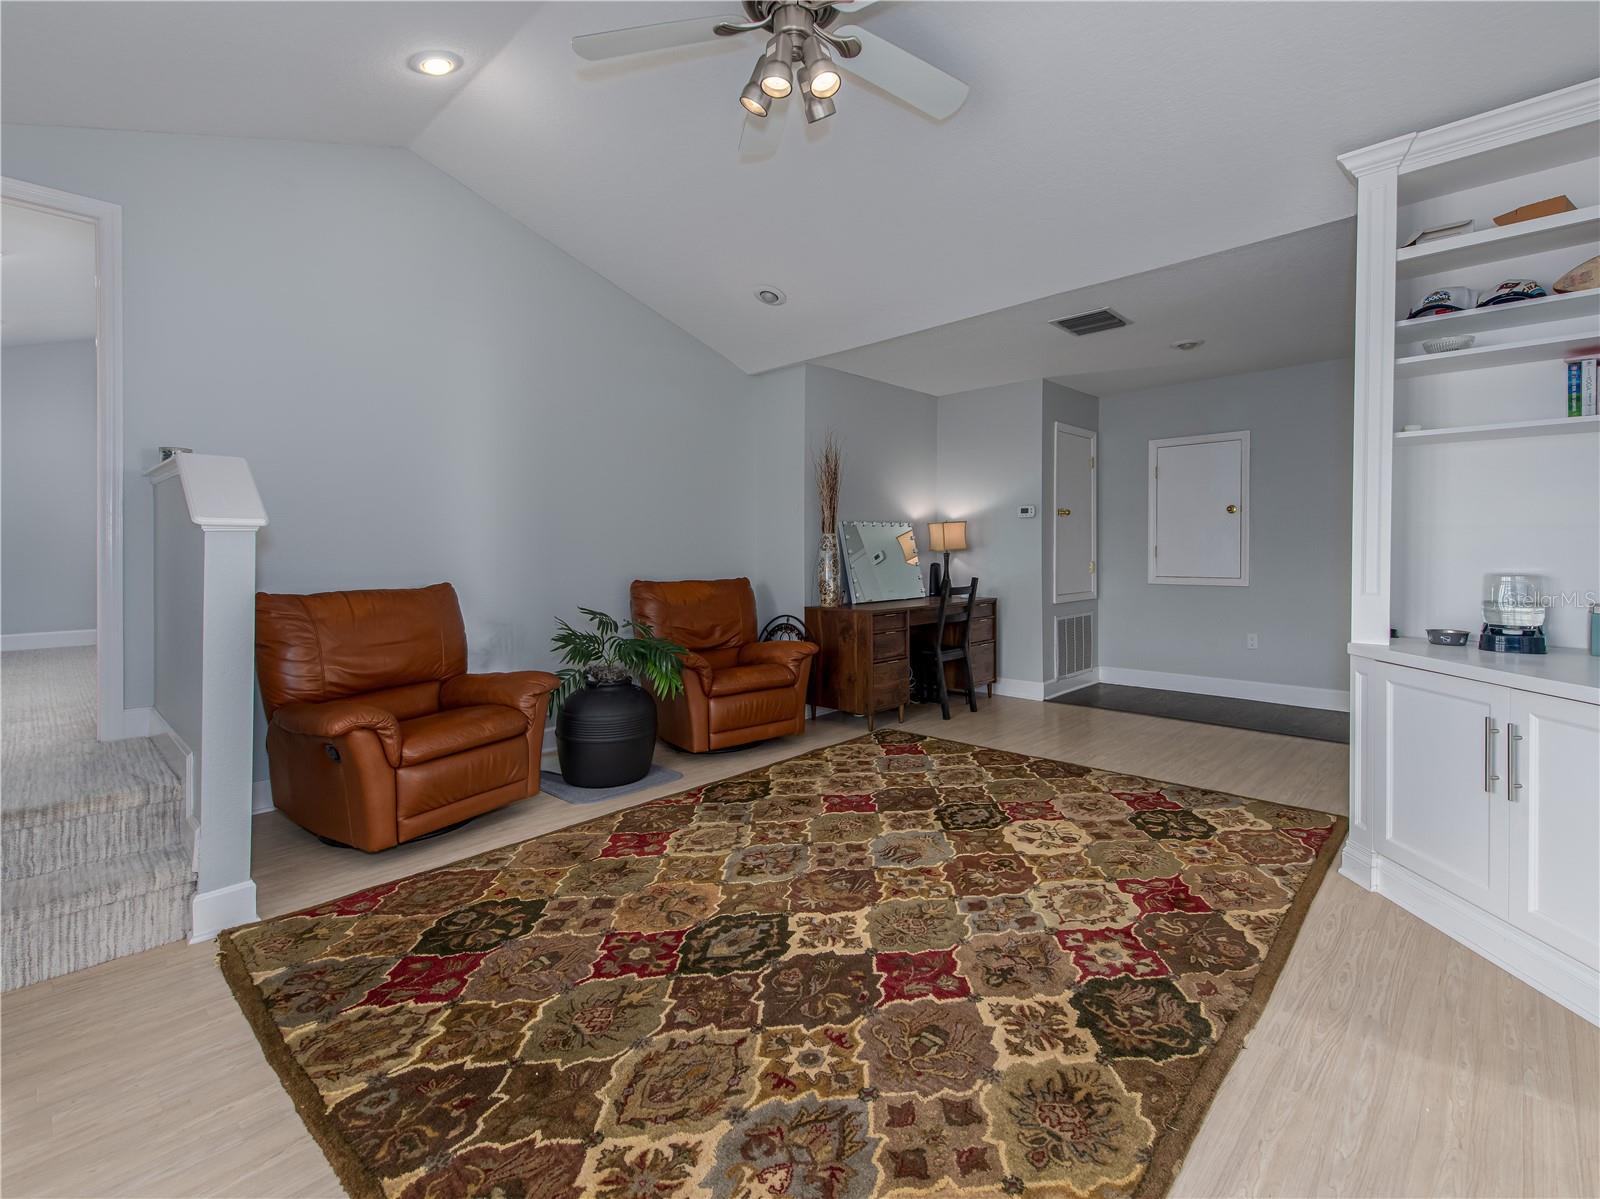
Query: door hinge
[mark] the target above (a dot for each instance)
(1091, 566)
(1091, 461)
(1155, 551)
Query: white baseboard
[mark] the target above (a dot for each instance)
(64, 639)
(1072, 682)
(260, 796)
(1566, 980)
(1270, 693)
(139, 722)
(1019, 688)
(225, 907)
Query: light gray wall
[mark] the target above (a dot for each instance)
(47, 431)
(1298, 599)
(890, 440)
(989, 465)
(1068, 407)
(424, 388)
(782, 495)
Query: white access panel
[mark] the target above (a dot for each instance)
(1200, 510)
(1074, 517)
(1554, 768)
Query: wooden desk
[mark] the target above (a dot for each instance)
(865, 661)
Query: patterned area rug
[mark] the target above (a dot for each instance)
(894, 966)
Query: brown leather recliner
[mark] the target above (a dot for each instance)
(735, 689)
(376, 733)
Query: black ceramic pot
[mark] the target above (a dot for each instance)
(606, 735)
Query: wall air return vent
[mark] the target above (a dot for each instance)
(1097, 321)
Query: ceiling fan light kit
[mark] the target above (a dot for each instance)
(804, 36)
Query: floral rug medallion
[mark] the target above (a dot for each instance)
(898, 966)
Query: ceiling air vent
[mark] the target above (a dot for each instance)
(1097, 321)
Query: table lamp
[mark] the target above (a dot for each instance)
(944, 537)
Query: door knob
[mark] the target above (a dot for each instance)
(1233, 508)
(1063, 511)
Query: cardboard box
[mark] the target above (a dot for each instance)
(1529, 212)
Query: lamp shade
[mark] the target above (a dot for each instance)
(947, 536)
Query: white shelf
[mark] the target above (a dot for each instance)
(1568, 673)
(1520, 428)
(1581, 227)
(1506, 353)
(1567, 306)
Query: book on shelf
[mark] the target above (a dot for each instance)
(1581, 384)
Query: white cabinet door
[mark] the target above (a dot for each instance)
(1555, 822)
(1199, 510)
(1443, 763)
(1074, 514)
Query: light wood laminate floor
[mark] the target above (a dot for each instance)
(1391, 1061)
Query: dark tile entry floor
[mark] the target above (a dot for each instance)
(1316, 723)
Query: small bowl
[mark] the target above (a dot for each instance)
(1448, 636)
(1444, 345)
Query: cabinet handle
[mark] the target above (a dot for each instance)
(1511, 763)
(1490, 778)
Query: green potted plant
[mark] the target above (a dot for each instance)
(605, 722)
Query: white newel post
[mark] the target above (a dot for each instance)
(207, 515)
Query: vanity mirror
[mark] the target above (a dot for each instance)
(880, 560)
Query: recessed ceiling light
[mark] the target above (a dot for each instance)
(1189, 343)
(770, 296)
(434, 62)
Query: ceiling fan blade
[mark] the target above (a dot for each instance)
(854, 6)
(901, 73)
(640, 39)
(760, 136)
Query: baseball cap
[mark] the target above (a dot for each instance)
(1512, 290)
(1441, 300)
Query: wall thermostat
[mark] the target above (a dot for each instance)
(1028, 511)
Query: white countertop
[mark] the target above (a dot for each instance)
(1568, 673)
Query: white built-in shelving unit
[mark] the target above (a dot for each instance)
(1474, 788)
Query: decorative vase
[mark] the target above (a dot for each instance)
(606, 734)
(828, 571)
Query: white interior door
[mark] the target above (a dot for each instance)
(1444, 766)
(1074, 509)
(1199, 510)
(1555, 822)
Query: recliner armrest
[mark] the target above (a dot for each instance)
(524, 690)
(784, 653)
(702, 668)
(339, 717)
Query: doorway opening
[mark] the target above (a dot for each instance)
(60, 342)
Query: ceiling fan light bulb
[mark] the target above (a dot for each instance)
(754, 99)
(820, 71)
(777, 80)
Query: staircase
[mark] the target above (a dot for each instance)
(93, 862)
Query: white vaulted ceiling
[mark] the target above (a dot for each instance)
(1100, 141)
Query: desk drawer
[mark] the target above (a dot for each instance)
(884, 622)
(982, 629)
(891, 680)
(887, 645)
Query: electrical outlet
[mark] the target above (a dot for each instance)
(1251, 641)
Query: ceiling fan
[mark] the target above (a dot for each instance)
(802, 38)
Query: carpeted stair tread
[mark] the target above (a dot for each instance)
(93, 855)
(96, 884)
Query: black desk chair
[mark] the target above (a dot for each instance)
(932, 657)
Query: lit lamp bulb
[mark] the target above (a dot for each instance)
(824, 76)
(753, 98)
(777, 78)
